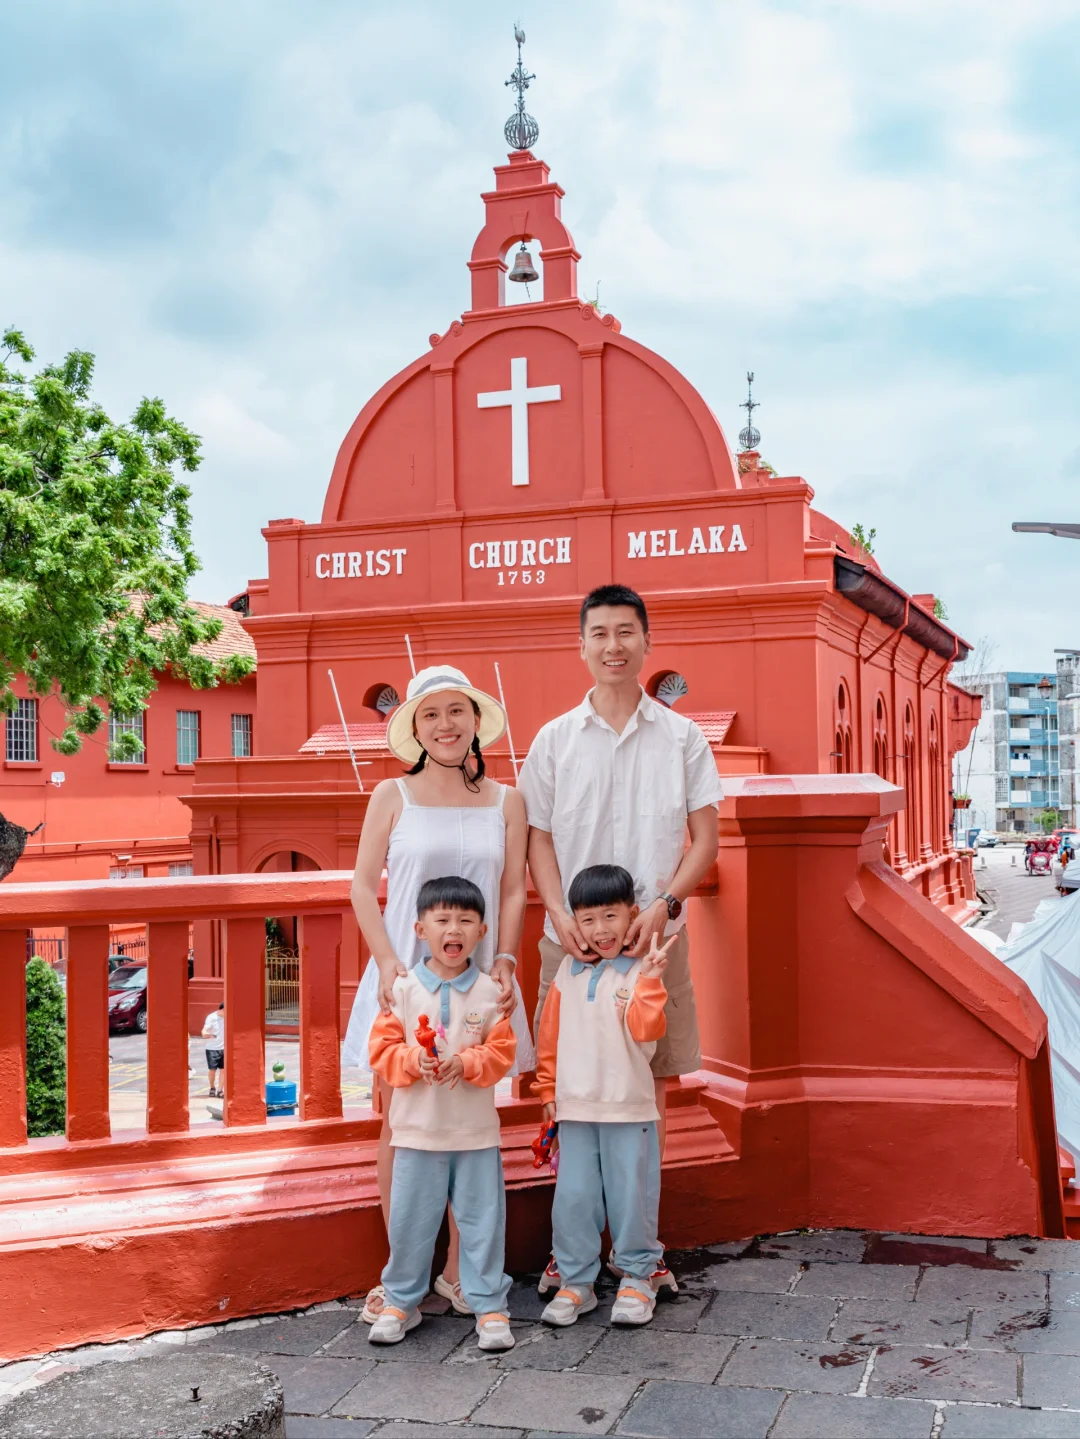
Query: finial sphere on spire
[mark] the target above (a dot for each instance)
(521, 130)
(749, 436)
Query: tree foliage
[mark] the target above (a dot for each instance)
(95, 548)
(46, 1058)
(863, 537)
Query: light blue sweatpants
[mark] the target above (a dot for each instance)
(613, 1168)
(472, 1181)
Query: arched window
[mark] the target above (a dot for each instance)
(842, 748)
(937, 834)
(881, 739)
(382, 698)
(667, 687)
(907, 780)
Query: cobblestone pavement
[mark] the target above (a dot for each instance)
(826, 1333)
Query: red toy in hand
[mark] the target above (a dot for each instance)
(541, 1145)
(425, 1037)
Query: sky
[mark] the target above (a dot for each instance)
(260, 210)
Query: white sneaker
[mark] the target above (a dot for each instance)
(494, 1332)
(550, 1277)
(570, 1302)
(634, 1305)
(392, 1325)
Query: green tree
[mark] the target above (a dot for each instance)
(1048, 820)
(46, 1060)
(863, 537)
(95, 549)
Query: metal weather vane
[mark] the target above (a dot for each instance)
(749, 436)
(521, 130)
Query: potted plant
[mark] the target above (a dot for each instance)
(961, 801)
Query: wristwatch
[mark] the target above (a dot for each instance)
(674, 906)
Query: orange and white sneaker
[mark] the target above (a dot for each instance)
(493, 1332)
(550, 1278)
(569, 1304)
(634, 1303)
(392, 1325)
(661, 1277)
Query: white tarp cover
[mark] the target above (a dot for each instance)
(1046, 956)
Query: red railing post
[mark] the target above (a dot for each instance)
(245, 1014)
(167, 1034)
(12, 1037)
(320, 1034)
(88, 1032)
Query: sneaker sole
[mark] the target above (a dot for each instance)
(491, 1345)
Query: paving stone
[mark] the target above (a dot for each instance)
(769, 1316)
(682, 1311)
(778, 1364)
(859, 1281)
(298, 1427)
(417, 1391)
(672, 1411)
(832, 1416)
(898, 1321)
(980, 1288)
(571, 1403)
(818, 1246)
(302, 1335)
(754, 1276)
(981, 1421)
(944, 1241)
(20, 1370)
(1038, 1253)
(1065, 1291)
(524, 1302)
(536, 1346)
(428, 1344)
(1052, 1380)
(1035, 1330)
(651, 1354)
(403, 1429)
(926, 1373)
(312, 1386)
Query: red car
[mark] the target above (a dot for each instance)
(127, 998)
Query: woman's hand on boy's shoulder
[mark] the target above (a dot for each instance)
(655, 962)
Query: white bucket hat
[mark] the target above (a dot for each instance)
(435, 680)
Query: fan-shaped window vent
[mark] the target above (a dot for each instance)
(671, 689)
(387, 699)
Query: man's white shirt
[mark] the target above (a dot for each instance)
(608, 798)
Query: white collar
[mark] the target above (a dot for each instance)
(646, 708)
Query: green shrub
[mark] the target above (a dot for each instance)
(46, 1059)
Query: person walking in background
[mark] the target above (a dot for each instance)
(620, 779)
(444, 818)
(213, 1030)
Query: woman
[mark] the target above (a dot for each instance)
(445, 818)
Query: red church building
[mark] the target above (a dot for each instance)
(534, 452)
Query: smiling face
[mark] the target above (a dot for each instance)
(613, 644)
(445, 725)
(451, 934)
(604, 926)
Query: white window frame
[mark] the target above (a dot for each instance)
(21, 746)
(127, 724)
(184, 731)
(246, 730)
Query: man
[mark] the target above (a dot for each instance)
(620, 780)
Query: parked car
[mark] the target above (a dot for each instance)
(986, 839)
(127, 998)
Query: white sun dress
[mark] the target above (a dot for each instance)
(429, 842)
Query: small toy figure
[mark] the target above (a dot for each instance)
(541, 1145)
(425, 1037)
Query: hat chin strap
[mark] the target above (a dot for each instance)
(470, 779)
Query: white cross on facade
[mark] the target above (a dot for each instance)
(519, 397)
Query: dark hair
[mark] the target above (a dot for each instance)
(601, 884)
(221, 1005)
(453, 892)
(615, 595)
(472, 781)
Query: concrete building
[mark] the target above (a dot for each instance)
(1010, 767)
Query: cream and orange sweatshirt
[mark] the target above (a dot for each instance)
(434, 1116)
(597, 1035)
